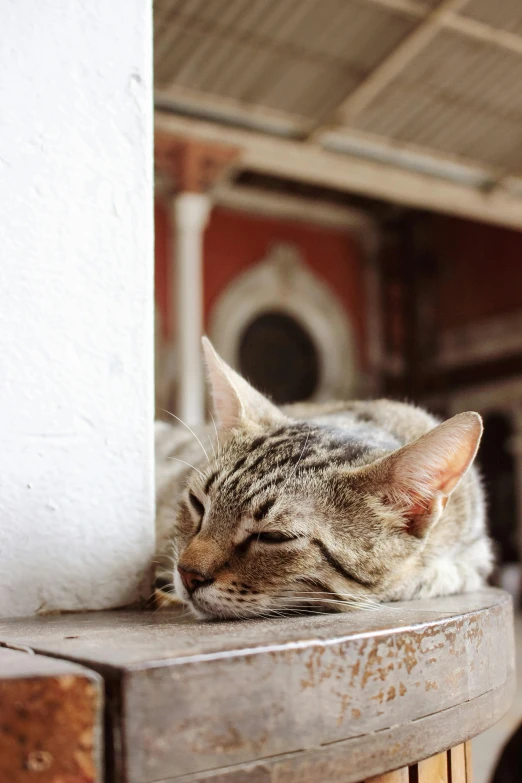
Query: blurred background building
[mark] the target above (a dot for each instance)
(339, 207)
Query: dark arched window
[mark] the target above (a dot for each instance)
(279, 357)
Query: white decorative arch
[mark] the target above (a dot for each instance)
(283, 282)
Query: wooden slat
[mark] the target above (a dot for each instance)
(434, 769)
(398, 776)
(469, 765)
(309, 163)
(51, 714)
(458, 764)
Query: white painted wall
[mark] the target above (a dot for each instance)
(76, 303)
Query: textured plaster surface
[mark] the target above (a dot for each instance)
(76, 304)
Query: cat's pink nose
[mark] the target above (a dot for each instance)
(193, 579)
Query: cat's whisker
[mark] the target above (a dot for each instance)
(353, 596)
(165, 590)
(297, 463)
(306, 610)
(349, 596)
(353, 604)
(212, 446)
(189, 429)
(302, 610)
(177, 459)
(413, 609)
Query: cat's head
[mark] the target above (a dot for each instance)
(291, 516)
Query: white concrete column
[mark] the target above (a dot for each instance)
(190, 213)
(76, 304)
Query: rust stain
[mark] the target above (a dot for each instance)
(408, 649)
(391, 693)
(402, 689)
(85, 762)
(86, 739)
(317, 670)
(48, 729)
(345, 702)
(225, 743)
(375, 668)
(431, 686)
(67, 681)
(363, 646)
(38, 760)
(230, 741)
(356, 713)
(475, 633)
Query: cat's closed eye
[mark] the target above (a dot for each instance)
(196, 504)
(272, 537)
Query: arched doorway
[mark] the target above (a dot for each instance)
(286, 331)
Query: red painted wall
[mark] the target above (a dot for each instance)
(162, 240)
(481, 271)
(235, 241)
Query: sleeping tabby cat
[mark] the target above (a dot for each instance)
(322, 507)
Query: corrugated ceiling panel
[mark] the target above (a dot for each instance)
(298, 56)
(503, 14)
(457, 96)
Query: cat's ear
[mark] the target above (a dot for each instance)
(236, 402)
(419, 478)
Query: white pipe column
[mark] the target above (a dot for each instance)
(190, 212)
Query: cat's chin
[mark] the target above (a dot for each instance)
(214, 614)
(199, 614)
(221, 612)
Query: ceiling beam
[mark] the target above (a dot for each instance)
(352, 106)
(472, 28)
(409, 7)
(306, 162)
(352, 141)
(283, 206)
(445, 16)
(223, 109)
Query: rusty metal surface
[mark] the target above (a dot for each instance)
(336, 698)
(50, 720)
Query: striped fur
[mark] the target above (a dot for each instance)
(317, 508)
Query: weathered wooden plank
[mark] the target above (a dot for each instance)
(398, 776)
(434, 769)
(458, 764)
(51, 716)
(331, 698)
